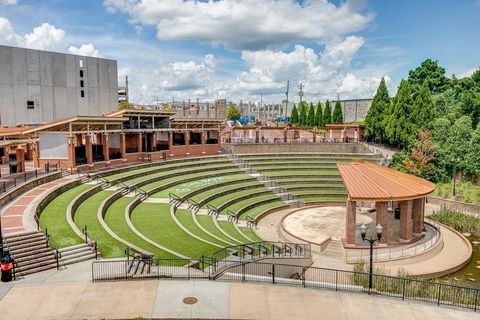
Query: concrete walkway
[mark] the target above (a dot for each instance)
(215, 300)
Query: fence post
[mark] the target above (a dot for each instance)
(336, 280)
(14, 182)
(273, 273)
(36, 173)
(188, 268)
(243, 272)
(476, 299)
(403, 288)
(304, 270)
(439, 291)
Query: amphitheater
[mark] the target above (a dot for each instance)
(243, 217)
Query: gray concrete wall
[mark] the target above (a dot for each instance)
(52, 81)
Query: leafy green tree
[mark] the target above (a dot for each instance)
(375, 119)
(430, 71)
(311, 115)
(473, 157)
(233, 113)
(458, 142)
(125, 105)
(303, 114)
(337, 117)
(294, 116)
(399, 129)
(470, 106)
(476, 77)
(327, 113)
(440, 131)
(319, 116)
(423, 112)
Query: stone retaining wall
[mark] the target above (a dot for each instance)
(456, 205)
(296, 147)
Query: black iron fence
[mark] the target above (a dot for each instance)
(14, 180)
(293, 275)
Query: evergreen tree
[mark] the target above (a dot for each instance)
(319, 116)
(303, 114)
(470, 106)
(430, 71)
(327, 113)
(399, 129)
(233, 113)
(337, 117)
(457, 146)
(375, 119)
(294, 116)
(311, 115)
(473, 157)
(423, 112)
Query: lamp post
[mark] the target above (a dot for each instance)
(371, 241)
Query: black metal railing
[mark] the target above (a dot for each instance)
(296, 275)
(12, 181)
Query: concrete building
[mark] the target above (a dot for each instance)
(37, 87)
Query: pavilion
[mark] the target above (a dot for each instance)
(387, 189)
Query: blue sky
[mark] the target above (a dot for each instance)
(244, 49)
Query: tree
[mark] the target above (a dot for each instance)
(337, 117)
(124, 104)
(327, 113)
(319, 116)
(470, 106)
(375, 119)
(294, 116)
(473, 157)
(440, 131)
(423, 112)
(422, 157)
(399, 129)
(476, 77)
(233, 113)
(303, 114)
(311, 115)
(430, 71)
(457, 146)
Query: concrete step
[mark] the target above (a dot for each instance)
(38, 268)
(21, 235)
(27, 253)
(76, 258)
(73, 251)
(27, 245)
(34, 257)
(24, 239)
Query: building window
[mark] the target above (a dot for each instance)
(81, 83)
(30, 104)
(80, 63)
(82, 93)
(81, 73)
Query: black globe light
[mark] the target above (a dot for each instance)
(371, 241)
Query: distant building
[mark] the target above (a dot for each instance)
(39, 86)
(123, 91)
(354, 109)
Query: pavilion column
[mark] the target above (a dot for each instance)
(88, 149)
(71, 151)
(106, 148)
(202, 139)
(36, 154)
(139, 142)
(123, 147)
(381, 209)
(187, 143)
(153, 142)
(418, 211)
(406, 222)
(314, 137)
(285, 135)
(351, 222)
(170, 143)
(20, 155)
(257, 136)
(219, 142)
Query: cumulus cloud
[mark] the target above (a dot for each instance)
(246, 24)
(7, 35)
(188, 75)
(43, 37)
(84, 50)
(8, 2)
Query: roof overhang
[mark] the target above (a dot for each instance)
(195, 123)
(365, 181)
(82, 124)
(142, 112)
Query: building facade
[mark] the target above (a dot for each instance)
(37, 87)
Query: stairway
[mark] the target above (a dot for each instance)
(334, 249)
(75, 254)
(271, 185)
(31, 252)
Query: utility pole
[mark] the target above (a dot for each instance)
(261, 104)
(286, 103)
(300, 92)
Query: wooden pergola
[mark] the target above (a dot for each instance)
(365, 181)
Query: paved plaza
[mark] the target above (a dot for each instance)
(50, 296)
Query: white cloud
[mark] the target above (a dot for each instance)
(84, 50)
(7, 35)
(8, 2)
(179, 76)
(246, 24)
(44, 37)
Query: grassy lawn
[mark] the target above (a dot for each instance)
(234, 185)
(236, 194)
(202, 183)
(249, 232)
(240, 204)
(322, 199)
(334, 180)
(465, 191)
(186, 219)
(115, 219)
(86, 215)
(311, 173)
(54, 217)
(312, 185)
(296, 168)
(258, 210)
(229, 228)
(318, 192)
(207, 223)
(154, 221)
